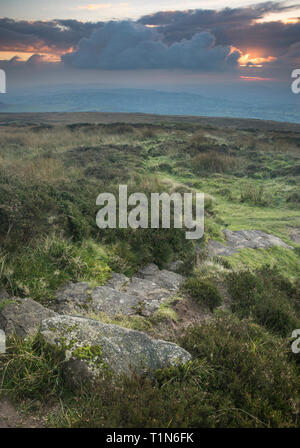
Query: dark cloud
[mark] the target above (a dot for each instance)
(212, 18)
(58, 35)
(193, 39)
(128, 45)
(231, 26)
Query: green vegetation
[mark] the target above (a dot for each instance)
(243, 373)
(267, 297)
(204, 291)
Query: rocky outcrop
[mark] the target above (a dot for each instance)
(243, 239)
(117, 281)
(165, 279)
(143, 294)
(22, 316)
(90, 347)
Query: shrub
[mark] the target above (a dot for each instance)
(240, 377)
(203, 291)
(267, 297)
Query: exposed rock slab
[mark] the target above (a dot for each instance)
(149, 294)
(80, 299)
(243, 239)
(112, 302)
(23, 316)
(143, 294)
(122, 350)
(117, 281)
(73, 298)
(165, 279)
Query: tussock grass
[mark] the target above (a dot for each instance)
(214, 162)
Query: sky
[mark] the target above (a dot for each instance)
(93, 10)
(169, 43)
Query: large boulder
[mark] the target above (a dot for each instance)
(22, 316)
(90, 347)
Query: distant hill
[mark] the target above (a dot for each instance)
(148, 101)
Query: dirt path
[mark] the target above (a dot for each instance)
(11, 418)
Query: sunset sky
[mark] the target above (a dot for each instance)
(249, 40)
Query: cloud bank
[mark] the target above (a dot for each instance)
(129, 45)
(203, 40)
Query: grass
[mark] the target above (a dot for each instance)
(203, 291)
(285, 260)
(243, 373)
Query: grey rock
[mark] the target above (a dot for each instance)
(3, 294)
(112, 302)
(147, 272)
(243, 239)
(175, 266)
(167, 280)
(117, 281)
(150, 294)
(73, 298)
(77, 292)
(124, 351)
(23, 316)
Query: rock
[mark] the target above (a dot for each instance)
(77, 292)
(165, 279)
(23, 316)
(175, 266)
(150, 294)
(294, 234)
(73, 298)
(143, 294)
(117, 281)
(3, 294)
(147, 272)
(243, 239)
(112, 302)
(91, 346)
(79, 299)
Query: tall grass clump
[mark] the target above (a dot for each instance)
(214, 162)
(51, 261)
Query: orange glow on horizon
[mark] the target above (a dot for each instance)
(24, 56)
(256, 61)
(290, 20)
(255, 78)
